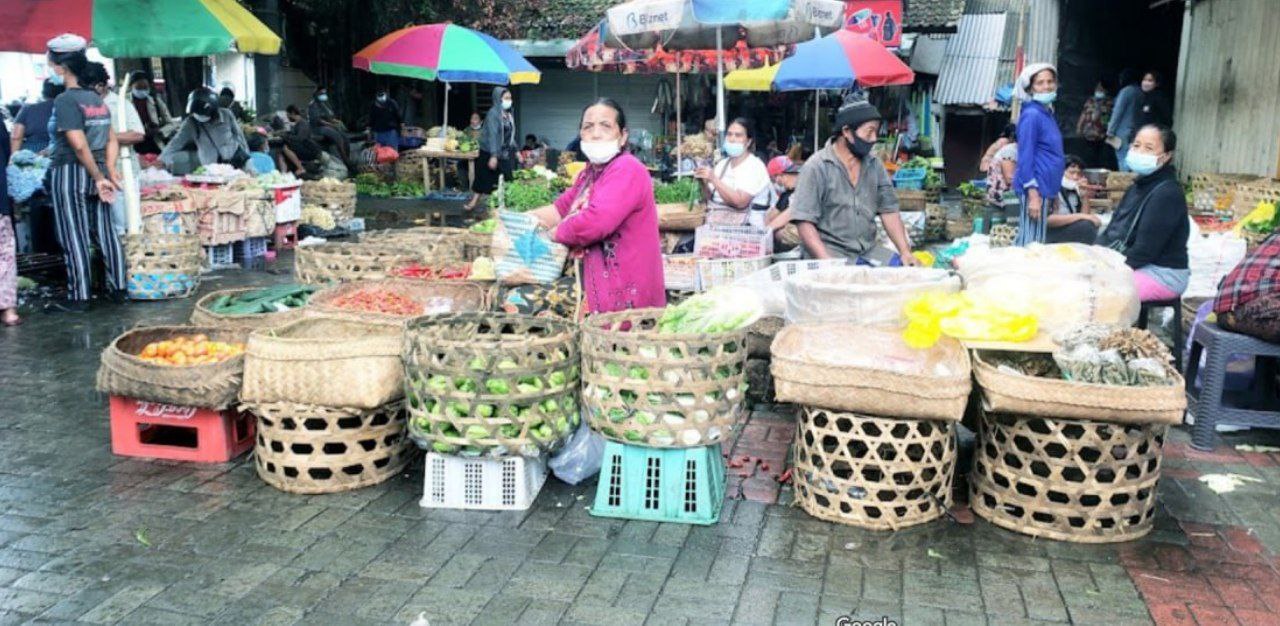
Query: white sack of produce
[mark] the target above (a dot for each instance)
(1063, 284)
(1210, 258)
(869, 296)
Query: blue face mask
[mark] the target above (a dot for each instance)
(734, 149)
(57, 79)
(1142, 163)
(1045, 98)
(324, 97)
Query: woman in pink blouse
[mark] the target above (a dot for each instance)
(608, 218)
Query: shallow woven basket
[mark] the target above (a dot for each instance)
(436, 297)
(873, 472)
(316, 449)
(328, 194)
(802, 380)
(911, 199)
(1004, 392)
(432, 243)
(325, 361)
(657, 389)
(680, 216)
(156, 256)
(345, 262)
(201, 315)
(481, 349)
(211, 385)
(1072, 480)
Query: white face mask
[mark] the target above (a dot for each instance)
(1069, 183)
(734, 149)
(506, 105)
(141, 93)
(601, 152)
(203, 119)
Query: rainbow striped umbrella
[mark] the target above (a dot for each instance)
(448, 53)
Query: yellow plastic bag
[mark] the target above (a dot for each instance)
(964, 317)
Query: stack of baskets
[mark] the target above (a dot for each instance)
(167, 210)
(335, 196)
(436, 242)
(1069, 460)
(665, 402)
(409, 166)
(490, 397)
(162, 266)
(315, 436)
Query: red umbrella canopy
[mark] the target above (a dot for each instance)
(27, 26)
(591, 54)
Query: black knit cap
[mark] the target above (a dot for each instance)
(856, 111)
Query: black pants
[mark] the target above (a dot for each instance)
(1079, 232)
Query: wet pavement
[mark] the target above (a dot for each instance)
(89, 537)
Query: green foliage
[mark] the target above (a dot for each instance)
(524, 195)
(682, 190)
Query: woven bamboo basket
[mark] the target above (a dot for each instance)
(1249, 194)
(911, 199)
(325, 361)
(434, 298)
(1003, 235)
(760, 336)
(317, 449)
(873, 472)
(329, 194)
(657, 389)
(346, 262)
(935, 222)
(801, 378)
(1071, 480)
(409, 166)
(476, 245)
(162, 266)
(1215, 193)
(1190, 306)
(1005, 392)
(491, 383)
(959, 227)
(680, 216)
(202, 315)
(432, 243)
(211, 385)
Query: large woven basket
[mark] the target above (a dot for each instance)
(162, 265)
(657, 389)
(681, 216)
(329, 194)
(325, 361)
(409, 166)
(1072, 480)
(491, 383)
(317, 449)
(873, 472)
(1249, 194)
(435, 297)
(211, 385)
(911, 199)
(345, 262)
(431, 243)
(1006, 392)
(1215, 193)
(202, 315)
(476, 245)
(802, 379)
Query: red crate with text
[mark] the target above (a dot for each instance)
(178, 433)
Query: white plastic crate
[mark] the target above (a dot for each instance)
(714, 273)
(288, 203)
(768, 282)
(506, 484)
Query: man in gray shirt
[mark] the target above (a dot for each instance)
(212, 130)
(843, 188)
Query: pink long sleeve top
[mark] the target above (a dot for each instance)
(610, 219)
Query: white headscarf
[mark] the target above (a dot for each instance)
(1024, 79)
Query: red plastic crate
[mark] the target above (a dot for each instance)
(286, 236)
(178, 433)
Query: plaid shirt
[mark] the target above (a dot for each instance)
(1256, 276)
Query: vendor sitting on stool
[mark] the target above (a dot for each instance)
(1150, 226)
(844, 187)
(1073, 221)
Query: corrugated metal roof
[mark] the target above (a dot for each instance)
(969, 71)
(931, 16)
(928, 53)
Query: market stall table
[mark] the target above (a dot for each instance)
(443, 156)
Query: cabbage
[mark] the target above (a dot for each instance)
(723, 309)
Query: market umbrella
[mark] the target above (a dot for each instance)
(838, 61)
(718, 25)
(449, 53)
(137, 28)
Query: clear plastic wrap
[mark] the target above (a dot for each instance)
(867, 296)
(844, 345)
(1064, 284)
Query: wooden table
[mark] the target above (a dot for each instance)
(469, 157)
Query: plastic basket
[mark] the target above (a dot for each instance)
(680, 272)
(911, 178)
(714, 273)
(714, 241)
(220, 256)
(509, 484)
(250, 248)
(684, 485)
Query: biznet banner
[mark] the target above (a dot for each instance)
(881, 20)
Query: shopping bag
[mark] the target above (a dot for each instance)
(523, 251)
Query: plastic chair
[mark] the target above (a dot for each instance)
(1258, 407)
(1176, 305)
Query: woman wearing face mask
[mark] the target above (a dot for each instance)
(1073, 222)
(608, 218)
(386, 125)
(737, 188)
(1149, 226)
(133, 134)
(212, 130)
(153, 112)
(1092, 123)
(82, 175)
(1039, 174)
(497, 147)
(327, 125)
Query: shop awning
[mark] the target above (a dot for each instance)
(137, 28)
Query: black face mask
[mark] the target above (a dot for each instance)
(859, 146)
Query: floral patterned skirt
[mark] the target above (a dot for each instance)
(8, 264)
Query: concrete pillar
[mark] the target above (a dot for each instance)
(267, 74)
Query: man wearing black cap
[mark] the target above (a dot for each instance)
(844, 187)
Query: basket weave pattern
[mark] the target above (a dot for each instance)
(679, 216)
(1071, 480)
(432, 243)
(873, 472)
(164, 266)
(325, 361)
(330, 195)
(661, 390)
(1249, 194)
(483, 350)
(202, 315)
(210, 385)
(315, 449)
(344, 262)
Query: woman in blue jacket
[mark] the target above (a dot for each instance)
(1038, 177)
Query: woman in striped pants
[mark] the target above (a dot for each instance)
(82, 176)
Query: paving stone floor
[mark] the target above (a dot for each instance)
(88, 537)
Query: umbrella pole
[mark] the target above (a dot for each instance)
(720, 84)
(816, 100)
(444, 127)
(679, 125)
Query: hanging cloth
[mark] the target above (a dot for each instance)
(663, 102)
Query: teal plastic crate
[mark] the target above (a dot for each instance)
(661, 484)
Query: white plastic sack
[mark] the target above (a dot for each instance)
(769, 283)
(581, 456)
(1210, 258)
(867, 296)
(1064, 284)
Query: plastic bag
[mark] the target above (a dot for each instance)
(523, 252)
(847, 345)
(869, 296)
(966, 317)
(1210, 258)
(581, 456)
(769, 283)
